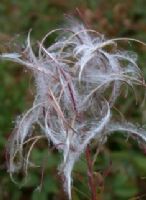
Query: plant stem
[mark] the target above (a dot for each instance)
(90, 174)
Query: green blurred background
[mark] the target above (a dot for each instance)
(120, 168)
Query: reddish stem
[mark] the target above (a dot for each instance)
(90, 174)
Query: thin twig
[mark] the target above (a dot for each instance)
(90, 174)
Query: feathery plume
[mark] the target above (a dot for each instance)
(73, 105)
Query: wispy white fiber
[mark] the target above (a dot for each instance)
(77, 84)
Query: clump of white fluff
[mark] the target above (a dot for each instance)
(72, 105)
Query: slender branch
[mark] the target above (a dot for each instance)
(91, 180)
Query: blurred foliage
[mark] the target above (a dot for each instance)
(120, 168)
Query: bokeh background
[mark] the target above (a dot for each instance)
(120, 168)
